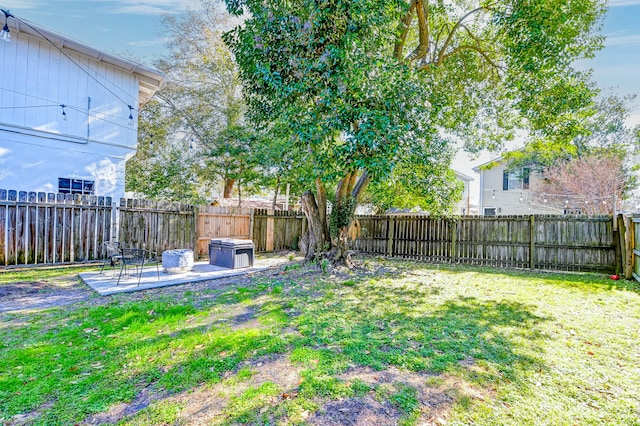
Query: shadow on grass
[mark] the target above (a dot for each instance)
(584, 280)
(91, 358)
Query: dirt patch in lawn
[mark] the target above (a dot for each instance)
(206, 404)
(364, 411)
(30, 296)
(435, 393)
(120, 411)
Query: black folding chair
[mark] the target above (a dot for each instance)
(113, 255)
(137, 257)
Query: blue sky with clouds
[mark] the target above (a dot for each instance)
(133, 28)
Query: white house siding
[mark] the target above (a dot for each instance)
(507, 202)
(36, 145)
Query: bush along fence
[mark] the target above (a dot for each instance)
(38, 228)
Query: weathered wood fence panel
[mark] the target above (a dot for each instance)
(40, 228)
(277, 230)
(221, 222)
(570, 243)
(157, 226)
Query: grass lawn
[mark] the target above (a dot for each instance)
(391, 343)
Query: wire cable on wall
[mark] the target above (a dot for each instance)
(81, 67)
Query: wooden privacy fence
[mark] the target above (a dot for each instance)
(221, 222)
(277, 230)
(47, 228)
(570, 243)
(39, 228)
(157, 226)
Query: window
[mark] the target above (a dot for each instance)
(75, 186)
(515, 179)
(490, 211)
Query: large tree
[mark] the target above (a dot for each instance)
(363, 84)
(203, 91)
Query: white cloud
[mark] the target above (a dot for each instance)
(21, 4)
(623, 40)
(151, 7)
(147, 43)
(620, 3)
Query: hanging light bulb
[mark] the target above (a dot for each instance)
(521, 197)
(130, 115)
(493, 195)
(5, 34)
(64, 113)
(545, 199)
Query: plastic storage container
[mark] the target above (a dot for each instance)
(231, 253)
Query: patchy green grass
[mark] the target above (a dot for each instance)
(408, 340)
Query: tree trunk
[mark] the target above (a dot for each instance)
(228, 187)
(322, 209)
(275, 195)
(332, 242)
(314, 243)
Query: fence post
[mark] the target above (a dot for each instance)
(454, 235)
(251, 223)
(195, 233)
(270, 226)
(390, 230)
(532, 242)
(624, 265)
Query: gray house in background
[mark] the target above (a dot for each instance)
(509, 192)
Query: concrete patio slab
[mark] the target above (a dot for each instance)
(105, 283)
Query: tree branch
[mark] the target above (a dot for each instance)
(361, 185)
(403, 29)
(477, 49)
(458, 24)
(422, 11)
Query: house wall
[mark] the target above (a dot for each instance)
(463, 206)
(37, 146)
(507, 202)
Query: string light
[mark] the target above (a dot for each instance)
(5, 34)
(64, 114)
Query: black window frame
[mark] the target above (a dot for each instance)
(76, 186)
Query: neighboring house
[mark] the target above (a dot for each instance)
(464, 206)
(68, 113)
(505, 192)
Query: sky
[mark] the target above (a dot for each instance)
(132, 28)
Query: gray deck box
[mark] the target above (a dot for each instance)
(231, 253)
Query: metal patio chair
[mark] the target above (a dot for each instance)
(113, 256)
(138, 258)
